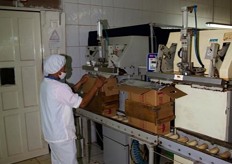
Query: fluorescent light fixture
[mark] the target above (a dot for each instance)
(218, 25)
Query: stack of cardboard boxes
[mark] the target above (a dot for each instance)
(106, 101)
(149, 109)
(146, 108)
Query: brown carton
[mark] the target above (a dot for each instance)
(106, 101)
(150, 109)
(109, 88)
(153, 114)
(162, 128)
(150, 96)
(106, 105)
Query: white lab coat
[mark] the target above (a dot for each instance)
(57, 102)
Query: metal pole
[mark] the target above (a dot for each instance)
(151, 37)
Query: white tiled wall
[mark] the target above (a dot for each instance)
(82, 16)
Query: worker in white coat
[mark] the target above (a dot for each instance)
(57, 102)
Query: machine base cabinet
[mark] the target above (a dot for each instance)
(116, 147)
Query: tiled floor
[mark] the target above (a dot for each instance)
(96, 158)
(45, 159)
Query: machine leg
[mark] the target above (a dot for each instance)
(79, 134)
(151, 154)
(87, 138)
(157, 156)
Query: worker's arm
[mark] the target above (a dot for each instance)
(77, 86)
(88, 96)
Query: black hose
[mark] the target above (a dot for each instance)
(196, 39)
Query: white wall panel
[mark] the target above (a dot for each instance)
(128, 5)
(222, 3)
(84, 14)
(133, 17)
(171, 6)
(53, 33)
(119, 15)
(108, 14)
(204, 11)
(72, 1)
(220, 12)
(2, 137)
(82, 55)
(206, 2)
(71, 13)
(13, 134)
(96, 2)
(184, 2)
(85, 1)
(0, 149)
(96, 14)
(147, 5)
(74, 53)
(84, 31)
(108, 3)
(72, 35)
(119, 3)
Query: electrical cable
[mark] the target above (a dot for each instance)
(136, 153)
(196, 39)
(107, 37)
(155, 39)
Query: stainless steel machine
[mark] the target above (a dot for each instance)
(116, 55)
(207, 107)
(203, 116)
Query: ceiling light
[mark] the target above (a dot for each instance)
(218, 25)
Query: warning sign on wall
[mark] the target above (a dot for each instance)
(54, 40)
(55, 36)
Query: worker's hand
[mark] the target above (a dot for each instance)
(84, 78)
(100, 81)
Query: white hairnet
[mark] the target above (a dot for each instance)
(53, 64)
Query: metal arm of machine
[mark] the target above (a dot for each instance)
(165, 58)
(101, 25)
(207, 82)
(186, 40)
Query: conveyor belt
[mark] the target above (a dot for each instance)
(166, 142)
(190, 148)
(120, 126)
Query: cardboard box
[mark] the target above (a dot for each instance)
(150, 96)
(106, 105)
(162, 128)
(109, 88)
(106, 101)
(153, 114)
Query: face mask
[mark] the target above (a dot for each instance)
(62, 76)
